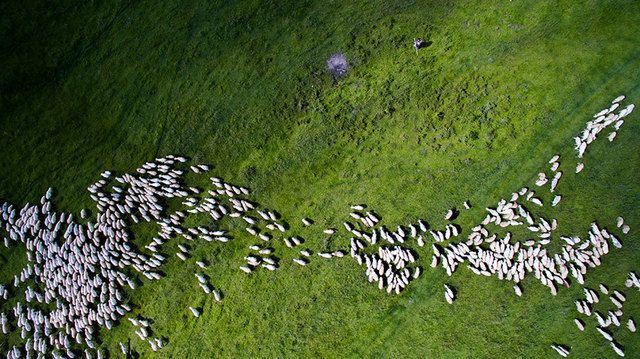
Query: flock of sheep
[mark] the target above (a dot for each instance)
(75, 276)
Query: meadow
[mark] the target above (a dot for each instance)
(242, 86)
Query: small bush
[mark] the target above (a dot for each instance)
(337, 65)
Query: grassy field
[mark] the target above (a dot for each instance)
(89, 86)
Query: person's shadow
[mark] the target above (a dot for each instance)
(421, 44)
(427, 44)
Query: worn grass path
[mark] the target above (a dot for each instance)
(241, 85)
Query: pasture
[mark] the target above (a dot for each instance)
(242, 86)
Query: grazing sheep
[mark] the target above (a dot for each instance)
(605, 333)
(181, 255)
(449, 215)
(562, 350)
(449, 295)
(518, 290)
(616, 348)
(625, 229)
(301, 261)
(195, 312)
(631, 324)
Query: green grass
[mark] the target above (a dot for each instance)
(89, 86)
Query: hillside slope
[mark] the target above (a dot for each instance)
(242, 86)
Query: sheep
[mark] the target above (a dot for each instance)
(329, 231)
(449, 295)
(416, 273)
(564, 352)
(373, 218)
(603, 289)
(631, 324)
(423, 226)
(616, 348)
(264, 215)
(619, 296)
(592, 297)
(300, 261)
(625, 229)
(615, 241)
(605, 333)
(264, 236)
(601, 321)
(268, 266)
(518, 290)
(252, 260)
(181, 255)
(355, 215)
(542, 179)
(449, 214)
(536, 201)
(613, 318)
(200, 278)
(195, 312)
